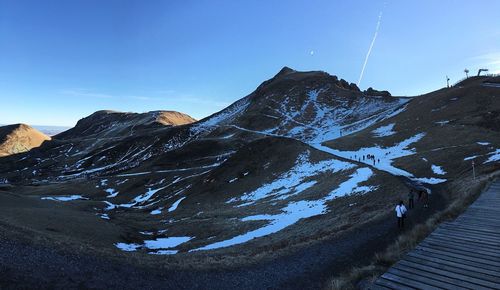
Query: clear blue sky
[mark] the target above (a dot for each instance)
(62, 60)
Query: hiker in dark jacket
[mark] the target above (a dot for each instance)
(411, 196)
(425, 198)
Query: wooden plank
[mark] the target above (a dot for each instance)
(494, 251)
(460, 256)
(441, 256)
(462, 279)
(469, 228)
(469, 233)
(424, 279)
(481, 226)
(478, 236)
(470, 240)
(465, 237)
(467, 244)
(450, 282)
(478, 221)
(481, 219)
(387, 284)
(481, 212)
(408, 282)
(456, 267)
(476, 211)
(494, 261)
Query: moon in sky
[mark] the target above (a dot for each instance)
(311, 53)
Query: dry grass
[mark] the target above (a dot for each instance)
(463, 192)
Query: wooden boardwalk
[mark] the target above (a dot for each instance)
(462, 254)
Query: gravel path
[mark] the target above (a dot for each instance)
(24, 266)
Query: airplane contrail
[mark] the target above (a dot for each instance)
(370, 49)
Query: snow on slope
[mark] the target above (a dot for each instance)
(384, 157)
(293, 182)
(494, 156)
(158, 244)
(384, 131)
(207, 125)
(295, 211)
(328, 121)
(438, 170)
(64, 198)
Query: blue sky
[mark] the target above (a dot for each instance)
(61, 60)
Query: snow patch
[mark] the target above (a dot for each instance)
(176, 204)
(494, 156)
(160, 243)
(384, 131)
(430, 180)
(111, 192)
(471, 157)
(438, 170)
(64, 198)
(156, 211)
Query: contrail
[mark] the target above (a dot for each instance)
(370, 49)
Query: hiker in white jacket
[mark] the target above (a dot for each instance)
(401, 214)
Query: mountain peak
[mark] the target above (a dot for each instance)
(285, 71)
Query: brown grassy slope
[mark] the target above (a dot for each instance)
(19, 138)
(263, 159)
(473, 112)
(172, 118)
(112, 124)
(453, 119)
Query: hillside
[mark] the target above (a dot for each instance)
(254, 165)
(281, 169)
(107, 124)
(438, 135)
(19, 138)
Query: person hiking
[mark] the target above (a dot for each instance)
(425, 198)
(401, 214)
(411, 196)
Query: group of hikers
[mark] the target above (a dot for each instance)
(401, 210)
(366, 157)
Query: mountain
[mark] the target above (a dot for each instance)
(19, 138)
(286, 164)
(445, 131)
(105, 124)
